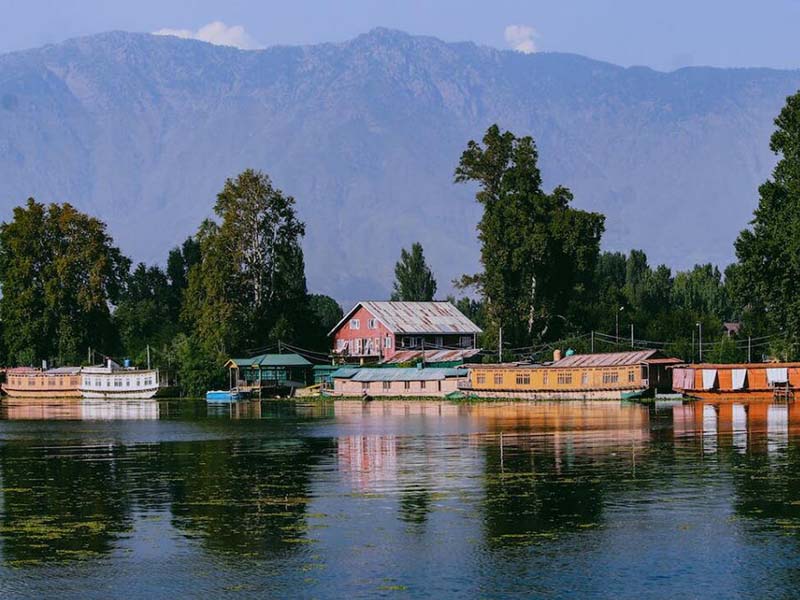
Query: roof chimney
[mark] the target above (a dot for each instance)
(557, 355)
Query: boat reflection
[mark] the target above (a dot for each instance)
(78, 409)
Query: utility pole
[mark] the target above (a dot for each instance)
(148, 357)
(631, 335)
(89, 355)
(500, 346)
(616, 319)
(280, 347)
(592, 341)
(748, 349)
(700, 340)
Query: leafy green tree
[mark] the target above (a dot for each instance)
(144, 315)
(59, 273)
(414, 281)
(249, 288)
(180, 261)
(538, 254)
(769, 252)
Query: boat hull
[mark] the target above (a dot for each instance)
(41, 394)
(143, 394)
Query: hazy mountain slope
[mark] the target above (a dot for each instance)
(142, 130)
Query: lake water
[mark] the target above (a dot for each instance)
(400, 500)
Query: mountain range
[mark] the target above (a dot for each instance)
(142, 130)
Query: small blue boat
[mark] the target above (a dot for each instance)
(223, 396)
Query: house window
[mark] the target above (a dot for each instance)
(523, 378)
(355, 324)
(365, 385)
(387, 385)
(340, 345)
(498, 379)
(358, 346)
(439, 341)
(480, 378)
(585, 378)
(407, 385)
(387, 341)
(631, 376)
(610, 377)
(465, 341)
(372, 324)
(564, 377)
(422, 385)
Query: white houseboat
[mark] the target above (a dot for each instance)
(113, 382)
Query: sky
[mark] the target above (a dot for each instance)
(662, 35)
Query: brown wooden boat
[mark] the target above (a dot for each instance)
(26, 382)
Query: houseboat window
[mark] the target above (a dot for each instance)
(611, 377)
(117, 382)
(422, 385)
(138, 382)
(498, 379)
(387, 385)
(128, 381)
(372, 324)
(480, 378)
(387, 341)
(545, 377)
(97, 382)
(355, 324)
(585, 378)
(523, 378)
(439, 385)
(439, 341)
(407, 385)
(564, 377)
(631, 376)
(466, 341)
(365, 385)
(31, 381)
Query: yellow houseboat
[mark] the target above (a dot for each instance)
(615, 375)
(35, 383)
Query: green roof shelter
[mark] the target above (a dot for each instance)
(276, 372)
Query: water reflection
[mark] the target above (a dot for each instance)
(346, 498)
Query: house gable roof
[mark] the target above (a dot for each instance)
(269, 360)
(416, 318)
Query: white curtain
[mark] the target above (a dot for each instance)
(709, 378)
(777, 375)
(739, 376)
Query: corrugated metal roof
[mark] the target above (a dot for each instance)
(430, 356)
(417, 317)
(405, 374)
(64, 371)
(271, 360)
(344, 373)
(609, 359)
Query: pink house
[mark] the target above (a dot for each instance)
(376, 331)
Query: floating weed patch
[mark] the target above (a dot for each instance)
(392, 588)
(12, 490)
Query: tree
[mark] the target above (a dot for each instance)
(538, 254)
(144, 315)
(180, 261)
(769, 252)
(248, 288)
(59, 273)
(414, 281)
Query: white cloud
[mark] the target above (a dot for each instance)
(217, 33)
(521, 38)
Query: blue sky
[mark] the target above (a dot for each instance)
(663, 35)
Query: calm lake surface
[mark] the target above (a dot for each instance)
(404, 499)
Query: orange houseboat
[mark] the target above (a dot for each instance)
(35, 383)
(611, 376)
(757, 381)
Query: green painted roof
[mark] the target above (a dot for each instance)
(271, 360)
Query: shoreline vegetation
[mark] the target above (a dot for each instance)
(238, 286)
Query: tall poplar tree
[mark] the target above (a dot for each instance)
(414, 281)
(767, 278)
(538, 253)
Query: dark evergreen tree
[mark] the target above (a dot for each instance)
(414, 281)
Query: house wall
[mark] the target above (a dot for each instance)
(376, 336)
(348, 387)
(553, 379)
